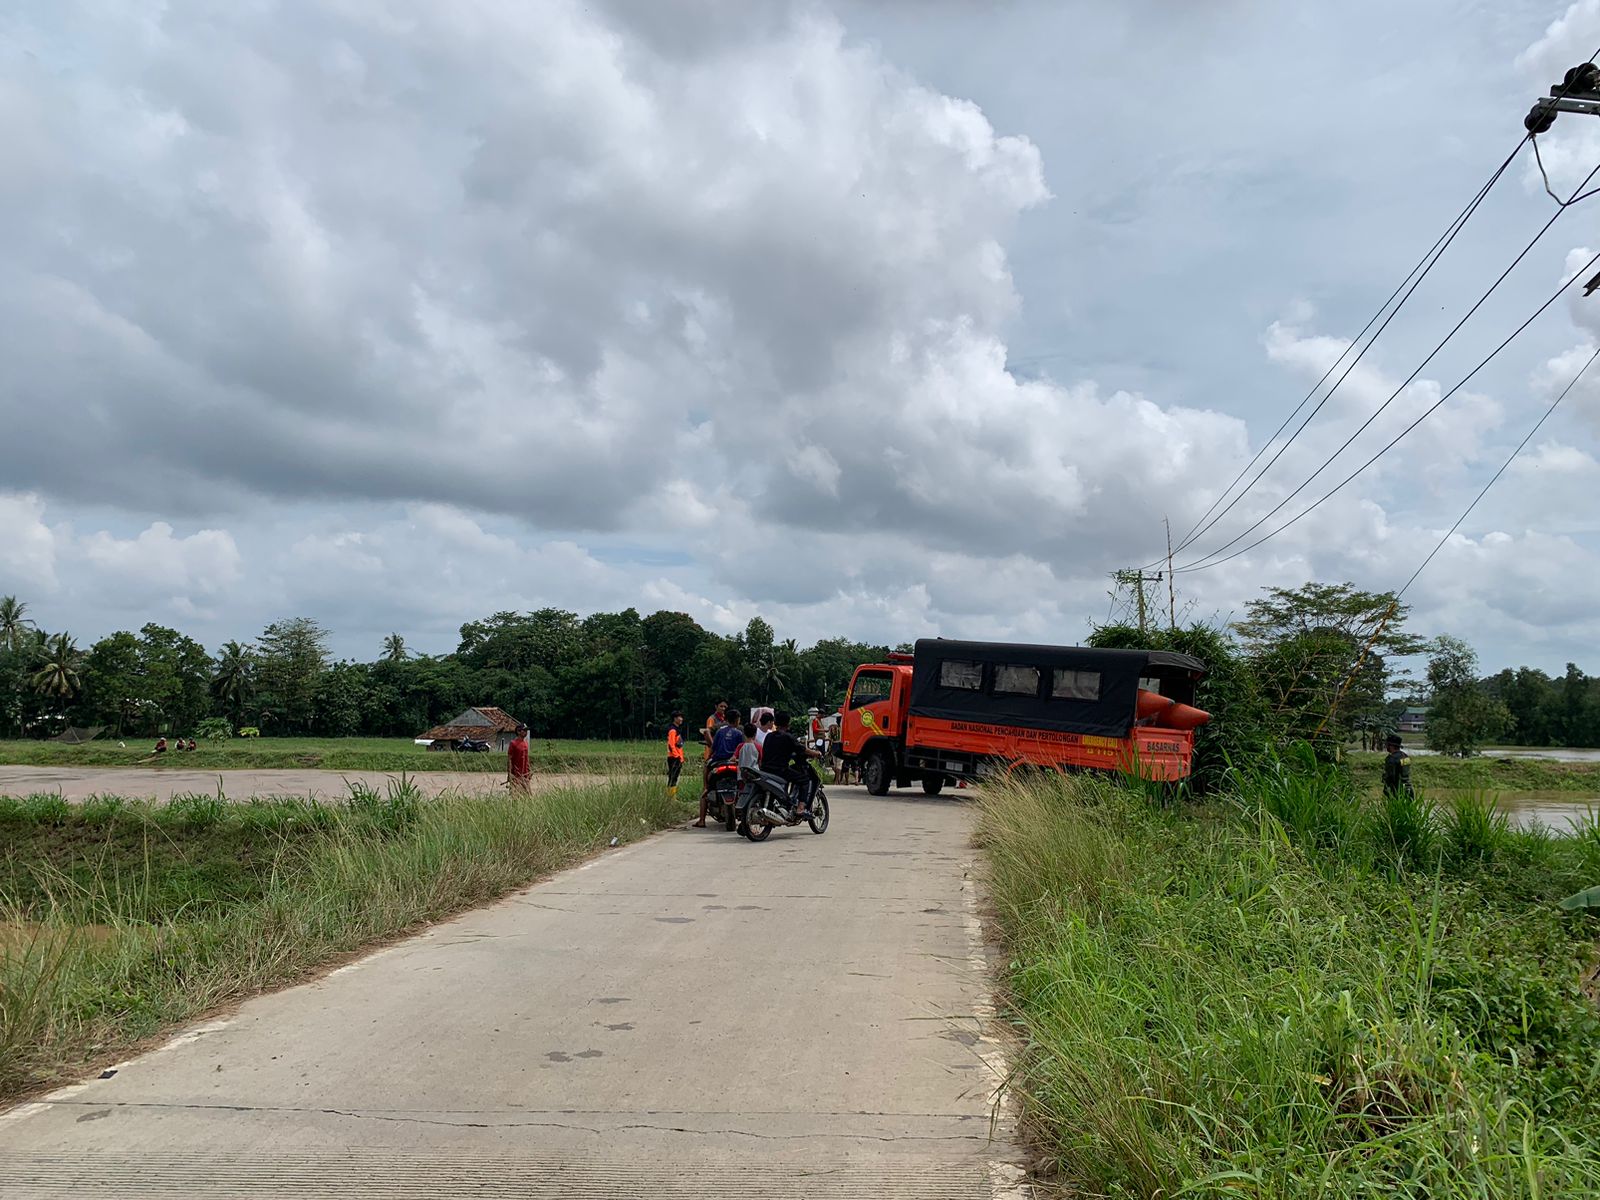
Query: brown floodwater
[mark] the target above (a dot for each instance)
(1559, 812)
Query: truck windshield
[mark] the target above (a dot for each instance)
(870, 686)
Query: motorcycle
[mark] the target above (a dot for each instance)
(723, 805)
(469, 745)
(772, 804)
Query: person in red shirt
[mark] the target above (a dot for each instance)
(674, 753)
(519, 775)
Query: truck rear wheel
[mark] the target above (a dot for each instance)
(932, 785)
(876, 770)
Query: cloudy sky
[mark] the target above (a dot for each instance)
(882, 318)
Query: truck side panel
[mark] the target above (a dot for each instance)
(959, 747)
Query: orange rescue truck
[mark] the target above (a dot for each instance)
(969, 710)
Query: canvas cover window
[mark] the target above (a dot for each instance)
(1013, 679)
(958, 673)
(1076, 685)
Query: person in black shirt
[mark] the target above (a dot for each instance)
(783, 755)
(1396, 768)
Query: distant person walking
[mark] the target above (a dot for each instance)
(674, 753)
(1397, 769)
(519, 775)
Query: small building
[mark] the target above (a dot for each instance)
(484, 724)
(1413, 720)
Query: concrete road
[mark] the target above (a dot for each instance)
(692, 1015)
(79, 783)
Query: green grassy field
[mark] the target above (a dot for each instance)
(333, 754)
(1296, 990)
(1484, 773)
(120, 919)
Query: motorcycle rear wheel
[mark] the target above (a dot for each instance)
(756, 829)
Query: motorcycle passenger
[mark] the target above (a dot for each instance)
(783, 755)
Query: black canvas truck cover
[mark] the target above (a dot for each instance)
(1109, 713)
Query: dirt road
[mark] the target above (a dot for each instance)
(79, 783)
(690, 1016)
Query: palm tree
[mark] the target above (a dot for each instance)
(773, 673)
(234, 676)
(14, 625)
(394, 648)
(57, 675)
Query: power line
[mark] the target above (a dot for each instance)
(1554, 404)
(1394, 605)
(1202, 565)
(1582, 80)
(1407, 382)
(1425, 264)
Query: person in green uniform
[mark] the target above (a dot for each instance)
(1396, 768)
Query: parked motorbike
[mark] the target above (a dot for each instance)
(472, 746)
(773, 805)
(723, 807)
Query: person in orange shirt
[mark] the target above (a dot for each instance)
(674, 753)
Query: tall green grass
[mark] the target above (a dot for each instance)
(1295, 991)
(123, 918)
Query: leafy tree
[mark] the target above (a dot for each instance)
(338, 699)
(1321, 654)
(293, 654)
(15, 627)
(114, 686)
(177, 675)
(1463, 715)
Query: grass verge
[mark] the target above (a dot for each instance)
(546, 756)
(1296, 992)
(1484, 772)
(120, 919)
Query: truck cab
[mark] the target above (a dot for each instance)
(872, 720)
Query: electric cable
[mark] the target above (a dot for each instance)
(1424, 265)
(1201, 565)
(1407, 382)
(1554, 404)
(1198, 531)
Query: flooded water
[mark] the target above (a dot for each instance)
(1560, 812)
(1578, 755)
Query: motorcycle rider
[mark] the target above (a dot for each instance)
(724, 748)
(783, 755)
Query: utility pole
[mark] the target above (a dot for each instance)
(1136, 580)
(1172, 595)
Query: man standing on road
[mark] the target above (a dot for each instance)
(674, 753)
(519, 775)
(1397, 769)
(707, 733)
(763, 728)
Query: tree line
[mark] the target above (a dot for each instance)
(1322, 662)
(608, 675)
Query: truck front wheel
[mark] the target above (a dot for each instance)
(876, 770)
